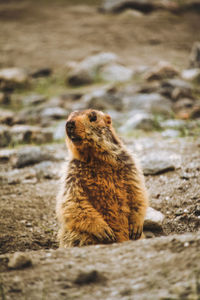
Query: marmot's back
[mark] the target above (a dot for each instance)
(103, 198)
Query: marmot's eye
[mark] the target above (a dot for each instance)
(93, 117)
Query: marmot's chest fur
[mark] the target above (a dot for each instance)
(103, 185)
(103, 198)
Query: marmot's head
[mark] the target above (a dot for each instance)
(90, 132)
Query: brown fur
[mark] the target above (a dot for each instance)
(103, 197)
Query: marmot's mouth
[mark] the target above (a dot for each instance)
(75, 138)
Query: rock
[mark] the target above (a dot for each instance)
(44, 72)
(47, 170)
(161, 71)
(19, 261)
(34, 99)
(89, 277)
(6, 154)
(150, 103)
(195, 56)
(6, 117)
(183, 103)
(28, 134)
(102, 100)
(59, 131)
(153, 220)
(115, 73)
(5, 137)
(148, 6)
(171, 133)
(4, 98)
(11, 78)
(191, 75)
(158, 163)
(195, 114)
(54, 113)
(170, 123)
(86, 71)
(116, 6)
(30, 155)
(176, 89)
(139, 120)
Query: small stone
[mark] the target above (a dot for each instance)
(6, 154)
(44, 72)
(153, 220)
(89, 277)
(6, 117)
(19, 261)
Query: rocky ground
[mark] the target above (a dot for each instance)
(146, 75)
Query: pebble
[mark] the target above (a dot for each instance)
(19, 261)
(153, 220)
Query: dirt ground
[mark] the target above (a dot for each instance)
(34, 35)
(38, 34)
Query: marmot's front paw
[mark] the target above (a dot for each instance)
(135, 231)
(106, 236)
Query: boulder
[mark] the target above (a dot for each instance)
(30, 155)
(138, 120)
(171, 133)
(87, 71)
(102, 100)
(176, 89)
(115, 73)
(34, 99)
(158, 163)
(30, 134)
(54, 113)
(11, 78)
(161, 71)
(150, 103)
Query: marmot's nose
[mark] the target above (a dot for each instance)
(70, 126)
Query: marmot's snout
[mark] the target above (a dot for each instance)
(71, 132)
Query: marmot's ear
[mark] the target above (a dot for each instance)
(108, 120)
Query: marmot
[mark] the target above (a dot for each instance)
(103, 197)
